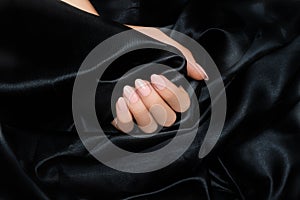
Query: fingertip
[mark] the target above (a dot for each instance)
(158, 81)
(196, 72)
(130, 94)
(202, 71)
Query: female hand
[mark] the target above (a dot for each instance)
(151, 103)
(148, 103)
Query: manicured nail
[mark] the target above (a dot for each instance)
(122, 104)
(124, 119)
(142, 87)
(200, 70)
(130, 94)
(158, 82)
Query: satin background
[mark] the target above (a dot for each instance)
(256, 47)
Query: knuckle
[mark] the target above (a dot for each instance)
(140, 111)
(170, 95)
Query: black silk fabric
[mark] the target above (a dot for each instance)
(256, 46)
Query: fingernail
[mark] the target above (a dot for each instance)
(122, 104)
(200, 70)
(142, 87)
(130, 94)
(158, 81)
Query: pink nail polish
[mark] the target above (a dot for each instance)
(142, 87)
(158, 82)
(130, 94)
(122, 104)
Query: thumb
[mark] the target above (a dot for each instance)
(194, 70)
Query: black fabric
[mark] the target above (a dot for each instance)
(256, 46)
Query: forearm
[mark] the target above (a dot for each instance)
(84, 5)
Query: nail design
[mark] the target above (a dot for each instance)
(130, 94)
(122, 104)
(158, 81)
(142, 87)
(199, 69)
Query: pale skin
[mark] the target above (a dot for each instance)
(154, 102)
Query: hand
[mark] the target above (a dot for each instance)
(150, 104)
(194, 70)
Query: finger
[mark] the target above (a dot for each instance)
(161, 112)
(139, 111)
(194, 70)
(117, 125)
(124, 119)
(175, 96)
